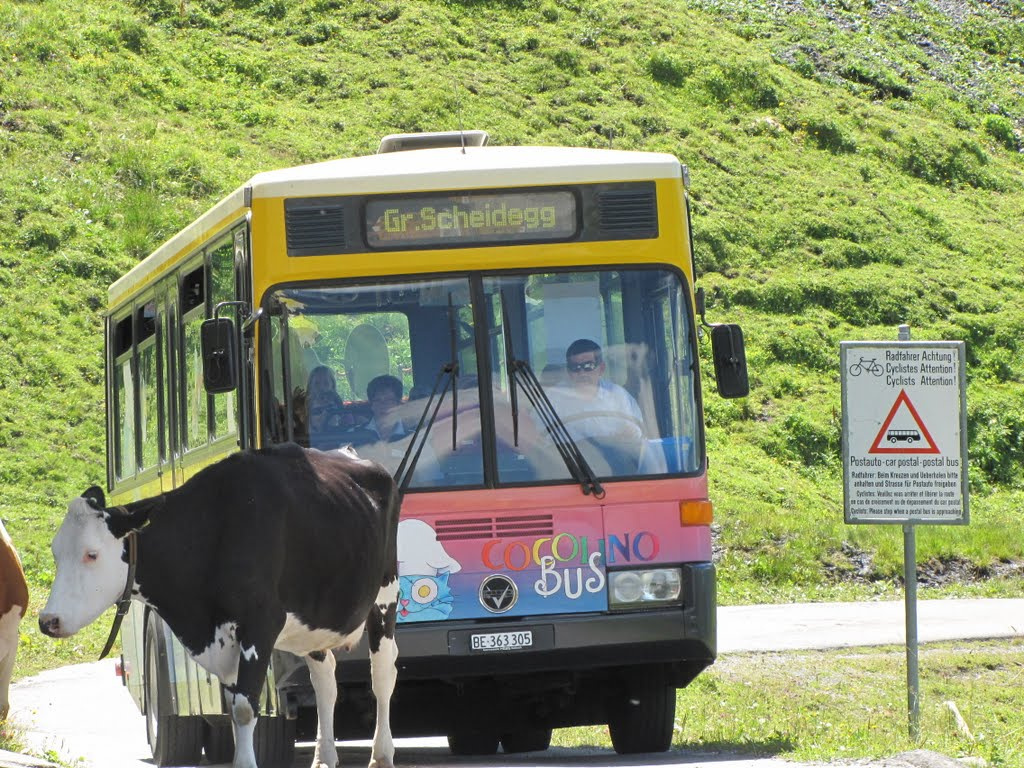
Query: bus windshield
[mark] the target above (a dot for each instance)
(532, 369)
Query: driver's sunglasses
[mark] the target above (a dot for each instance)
(590, 365)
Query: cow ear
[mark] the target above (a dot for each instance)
(119, 521)
(95, 498)
(132, 517)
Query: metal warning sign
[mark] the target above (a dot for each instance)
(904, 432)
(917, 439)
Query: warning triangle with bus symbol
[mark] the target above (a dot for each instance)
(910, 435)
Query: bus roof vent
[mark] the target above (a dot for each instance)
(400, 142)
(632, 211)
(314, 227)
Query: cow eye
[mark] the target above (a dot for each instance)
(91, 556)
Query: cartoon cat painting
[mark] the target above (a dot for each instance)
(424, 598)
(423, 570)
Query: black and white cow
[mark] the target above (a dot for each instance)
(282, 547)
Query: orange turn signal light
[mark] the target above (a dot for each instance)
(695, 512)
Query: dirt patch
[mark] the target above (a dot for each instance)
(852, 565)
(939, 572)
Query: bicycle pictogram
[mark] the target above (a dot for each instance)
(868, 364)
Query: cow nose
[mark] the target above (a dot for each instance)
(49, 624)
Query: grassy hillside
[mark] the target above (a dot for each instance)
(855, 164)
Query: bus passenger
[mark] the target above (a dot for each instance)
(325, 411)
(597, 410)
(321, 379)
(325, 420)
(385, 396)
(385, 438)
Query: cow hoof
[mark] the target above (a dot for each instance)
(321, 762)
(381, 763)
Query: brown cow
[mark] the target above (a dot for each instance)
(13, 604)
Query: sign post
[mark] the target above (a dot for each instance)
(905, 451)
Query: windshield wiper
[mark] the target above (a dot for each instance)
(520, 374)
(523, 375)
(403, 475)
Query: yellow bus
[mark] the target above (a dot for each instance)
(513, 331)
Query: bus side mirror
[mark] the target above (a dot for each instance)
(220, 360)
(730, 360)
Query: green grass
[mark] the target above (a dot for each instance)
(847, 177)
(10, 739)
(850, 704)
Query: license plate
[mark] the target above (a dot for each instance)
(501, 641)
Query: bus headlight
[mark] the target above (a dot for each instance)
(635, 589)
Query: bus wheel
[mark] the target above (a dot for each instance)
(218, 742)
(274, 741)
(643, 720)
(173, 740)
(467, 742)
(529, 740)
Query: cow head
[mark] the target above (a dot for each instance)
(91, 572)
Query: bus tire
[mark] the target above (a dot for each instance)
(274, 741)
(466, 742)
(527, 740)
(218, 742)
(173, 739)
(644, 718)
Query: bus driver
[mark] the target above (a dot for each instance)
(597, 410)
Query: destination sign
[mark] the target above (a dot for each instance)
(470, 219)
(904, 432)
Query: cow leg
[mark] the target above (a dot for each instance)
(325, 685)
(9, 635)
(383, 671)
(6, 671)
(244, 697)
(245, 752)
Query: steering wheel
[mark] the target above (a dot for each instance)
(619, 415)
(621, 449)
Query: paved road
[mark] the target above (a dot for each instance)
(83, 712)
(843, 625)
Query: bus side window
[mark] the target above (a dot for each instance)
(123, 391)
(195, 420)
(222, 288)
(149, 391)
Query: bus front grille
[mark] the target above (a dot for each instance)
(504, 527)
